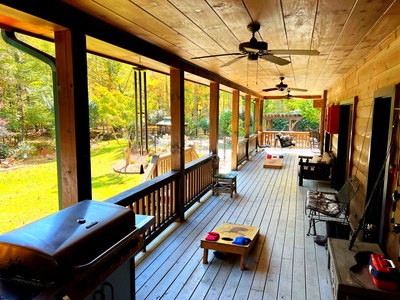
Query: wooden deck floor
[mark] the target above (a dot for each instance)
(285, 263)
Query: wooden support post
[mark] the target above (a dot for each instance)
(214, 117)
(261, 124)
(257, 120)
(247, 119)
(322, 123)
(73, 110)
(235, 129)
(178, 134)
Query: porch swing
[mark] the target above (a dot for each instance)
(285, 140)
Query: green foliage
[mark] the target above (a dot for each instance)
(23, 150)
(225, 123)
(311, 115)
(26, 88)
(204, 124)
(158, 93)
(94, 116)
(280, 125)
(156, 116)
(196, 106)
(225, 101)
(5, 150)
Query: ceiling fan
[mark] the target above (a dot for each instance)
(254, 50)
(288, 96)
(283, 86)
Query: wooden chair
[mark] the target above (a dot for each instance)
(325, 206)
(311, 169)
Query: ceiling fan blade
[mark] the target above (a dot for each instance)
(216, 55)
(293, 52)
(271, 89)
(275, 59)
(296, 89)
(232, 61)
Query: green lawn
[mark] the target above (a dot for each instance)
(30, 192)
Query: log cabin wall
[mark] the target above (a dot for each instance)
(379, 69)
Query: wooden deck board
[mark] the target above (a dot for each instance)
(284, 263)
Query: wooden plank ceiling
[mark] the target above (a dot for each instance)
(343, 31)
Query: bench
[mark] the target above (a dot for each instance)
(317, 167)
(326, 206)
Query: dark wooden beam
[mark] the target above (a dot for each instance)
(247, 116)
(214, 117)
(73, 111)
(235, 129)
(178, 133)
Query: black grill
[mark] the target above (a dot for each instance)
(84, 242)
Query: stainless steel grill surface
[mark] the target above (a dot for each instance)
(57, 248)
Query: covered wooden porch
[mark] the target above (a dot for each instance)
(285, 263)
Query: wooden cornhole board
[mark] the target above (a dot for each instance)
(231, 231)
(274, 163)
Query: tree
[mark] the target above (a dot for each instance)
(158, 93)
(26, 89)
(196, 105)
(204, 124)
(110, 91)
(305, 107)
(225, 123)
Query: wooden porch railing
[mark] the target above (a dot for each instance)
(252, 144)
(161, 164)
(302, 138)
(242, 150)
(159, 196)
(246, 147)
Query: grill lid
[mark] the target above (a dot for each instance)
(55, 246)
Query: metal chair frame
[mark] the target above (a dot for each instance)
(343, 197)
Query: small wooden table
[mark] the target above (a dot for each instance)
(225, 183)
(349, 285)
(227, 234)
(274, 163)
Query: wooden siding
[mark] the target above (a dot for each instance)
(378, 70)
(284, 264)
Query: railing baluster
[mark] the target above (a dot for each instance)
(157, 196)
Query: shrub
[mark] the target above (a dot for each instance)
(5, 151)
(23, 150)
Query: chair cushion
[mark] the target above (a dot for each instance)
(316, 159)
(326, 158)
(322, 202)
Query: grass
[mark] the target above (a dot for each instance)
(30, 192)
